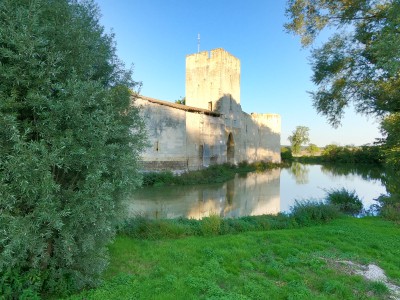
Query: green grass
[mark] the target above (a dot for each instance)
(277, 264)
(303, 213)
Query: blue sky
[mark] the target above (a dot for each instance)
(156, 35)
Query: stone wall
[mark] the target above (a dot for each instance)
(269, 129)
(205, 140)
(166, 132)
(211, 128)
(180, 139)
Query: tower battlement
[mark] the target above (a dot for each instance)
(213, 54)
(212, 77)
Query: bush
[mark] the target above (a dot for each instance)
(145, 228)
(286, 154)
(17, 284)
(346, 201)
(389, 207)
(70, 140)
(158, 178)
(244, 165)
(308, 212)
(350, 154)
(211, 225)
(313, 149)
(261, 166)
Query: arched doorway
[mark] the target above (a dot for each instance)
(230, 147)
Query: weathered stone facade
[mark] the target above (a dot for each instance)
(211, 128)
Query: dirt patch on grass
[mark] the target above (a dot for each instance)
(370, 272)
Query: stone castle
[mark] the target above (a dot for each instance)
(211, 128)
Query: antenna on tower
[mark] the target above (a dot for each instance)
(198, 42)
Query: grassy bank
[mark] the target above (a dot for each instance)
(283, 264)
(303, 214)
(212, 174)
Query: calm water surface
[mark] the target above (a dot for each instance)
(256, 193)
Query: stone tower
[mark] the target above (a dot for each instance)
(213, 80)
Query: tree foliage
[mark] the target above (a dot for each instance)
(359, 64)
(182, 101)
(346, 201)
(300, 136)
(313, 149)
(286, 154)
(69, 143)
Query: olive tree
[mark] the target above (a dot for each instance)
(69, 145)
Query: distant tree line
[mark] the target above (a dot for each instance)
(339, 154)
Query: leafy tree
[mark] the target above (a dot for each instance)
(182, 100)
(299, 137)
(359, 64)
(69, 144)
(313, 149)
(391, 125)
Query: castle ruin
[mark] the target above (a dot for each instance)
(211, 128)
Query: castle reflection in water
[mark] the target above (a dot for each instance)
(252, 194)
(245, 195)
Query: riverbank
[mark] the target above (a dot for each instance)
(212, 174)
(305, 263)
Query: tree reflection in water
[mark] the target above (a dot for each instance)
(365, 171)
(299, 172)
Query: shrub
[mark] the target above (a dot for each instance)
(286, 154)
(157, 178)
(346, 201)
(17, 284)
(145, 228)
(389, 207)
(243, 164)
(308, 212)
(313, 149)
(211, 225)
(350, 154)
(70, 141)
(261, 166)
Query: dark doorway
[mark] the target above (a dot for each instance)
(230, 146)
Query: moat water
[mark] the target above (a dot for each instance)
(255, 193)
